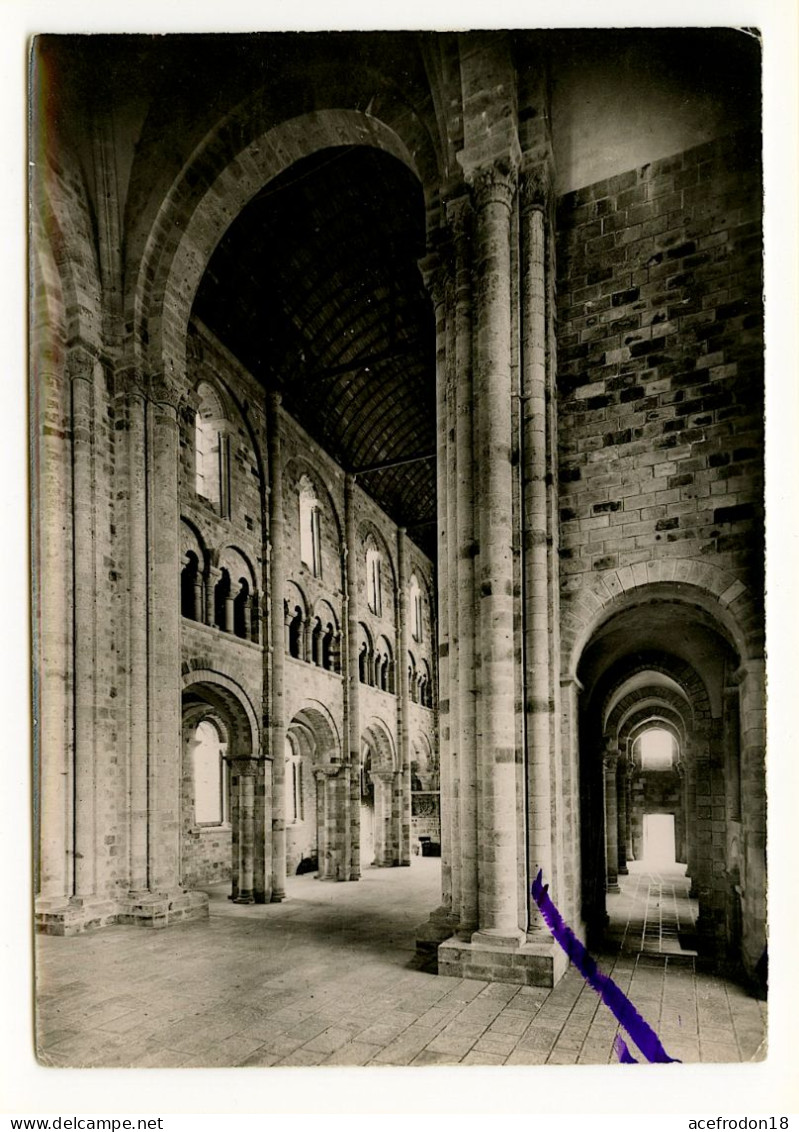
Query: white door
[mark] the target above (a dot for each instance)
(659, 846)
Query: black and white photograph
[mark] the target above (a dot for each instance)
(398, 548)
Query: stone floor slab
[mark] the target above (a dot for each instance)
(330, 977)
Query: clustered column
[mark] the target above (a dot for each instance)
(163, 638)
(497, 848)
(82, 374)
(446, 916)
(536, 613)
(460, 218)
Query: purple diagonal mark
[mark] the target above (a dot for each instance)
(621, 1051)
(613, 997)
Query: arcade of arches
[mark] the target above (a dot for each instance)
(400, 478)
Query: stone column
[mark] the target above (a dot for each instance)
(445, 917)
(628, 805)
(244, 770)
(84, 634)
(497, 844)
(536, 613)
(572, 897)
(262, 867)
(609, 763)
(462, 584)
(403, 817)
(137, 638)
(384, 804)
(52, 629)
(277, 731)
(454, 666)
(621, 840)
(164, 692)
(352, 681)
(229, 625)
(330, 859)
(214, 574)
(198, 595)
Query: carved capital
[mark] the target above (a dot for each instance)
(163, 390)
(81, 360)
(610, 759)
(434, 275)
(459, 214)
(494, 184)
(535, 187)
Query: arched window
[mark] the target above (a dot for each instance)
(191, 588)
(383, 665)
(310, 528)
(295, 634)
(416, 609)
(363, 663)
(425, 686)
(329, 657)
(211, 792)
(222, 601)
(211, 458)
(367, 786)
(657, 749)
(241, 610)
(316, 642)
(373, 581)
(295, 801)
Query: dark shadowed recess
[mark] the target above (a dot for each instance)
(315, 288)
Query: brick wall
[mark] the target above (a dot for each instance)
(657, 792)
(659, 365)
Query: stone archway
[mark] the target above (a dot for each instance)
(230, 845)
(377, 746)
(187, 229)
(317, 790)
(681, 669)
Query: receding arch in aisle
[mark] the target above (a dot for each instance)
(662, 736)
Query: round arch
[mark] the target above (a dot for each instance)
(381, 742)
(368, 530)
(318, 731)
(724, 597)
(294, 469)
(189, 226)
(226, 695)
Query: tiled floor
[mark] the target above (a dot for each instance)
(330, 977)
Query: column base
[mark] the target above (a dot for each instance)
(440, 926)
(496, 960)
(161, 909)
(77, 914)
(67, 916)
(623, 871)
(612, 887)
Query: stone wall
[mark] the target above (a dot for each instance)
(660, 366)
